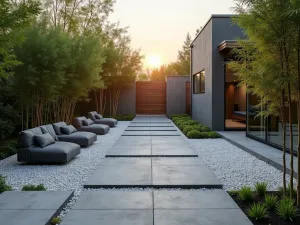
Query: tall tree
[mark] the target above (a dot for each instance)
(14, 18)
(270, 34)
(182, 66)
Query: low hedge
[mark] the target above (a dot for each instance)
(181, 118)
(194, 134)
(30, 187)
(126, 117)
(178, 115)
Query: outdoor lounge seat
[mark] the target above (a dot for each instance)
(100, 120)
(99, 129)
(57, 152)
(84, 139)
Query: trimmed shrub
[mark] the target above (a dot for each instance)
(179, 115)
(205, 129)
(39, 187)
(125, 117)
(181, 118)
(202, 135)
(187, 128)
(190, 122)
(3, 185)
(193, 134)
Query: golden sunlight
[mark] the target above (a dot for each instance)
(154, 60)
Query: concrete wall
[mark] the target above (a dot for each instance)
(222, 29)
(176, 94)
(208, 107)
(127, 100)
(202, 60)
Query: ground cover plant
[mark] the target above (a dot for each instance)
(191, 128)
(266, 208)
(3, 185)
(30, 187)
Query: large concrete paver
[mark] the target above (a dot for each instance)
(200, 216)
(184, 177)
(109, 217)
(31, 207)
(113, 200)
(214, 199)
(167, 124)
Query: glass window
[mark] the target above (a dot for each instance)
(199, 83)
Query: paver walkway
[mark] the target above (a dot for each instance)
(31, 207)
(152, 154)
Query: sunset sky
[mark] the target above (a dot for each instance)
(159, 27)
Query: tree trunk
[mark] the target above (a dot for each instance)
(283, 122)
(291, 142)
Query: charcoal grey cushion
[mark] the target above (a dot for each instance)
(107, 121)
(84, 139)
(98, 129)
(44, 140)
(87, 122)
(49, 129)
(77, 122)
(98, 116)
(26, 137)
(70, 129)
(59, 152)
(92, 115)
(57, 127)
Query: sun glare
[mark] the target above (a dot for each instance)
(154, 61)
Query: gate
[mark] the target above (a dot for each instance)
(151, 97)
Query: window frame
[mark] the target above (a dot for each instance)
(201, 91)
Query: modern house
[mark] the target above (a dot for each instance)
(217, 99)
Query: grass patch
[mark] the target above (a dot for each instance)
(39, 187)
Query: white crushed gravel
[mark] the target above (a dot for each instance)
(235, 167)
(70, 176)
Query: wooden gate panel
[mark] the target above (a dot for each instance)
(151, 97)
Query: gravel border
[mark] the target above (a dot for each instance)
(235, 167)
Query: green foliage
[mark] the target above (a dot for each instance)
(8, 148)
(15, 17)
(245, 194)
(3, 185)
(193, 134)
(202, 135)
(127, 117)
(178, 115)
(190, 122)
(39, 187)
(261, 189)
(288, 191)
(55, 220)
(257, 211)
(286, 209)
(187, 128)
(233, 192)
(271, 202)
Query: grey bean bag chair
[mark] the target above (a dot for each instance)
(98, 119)
(40, 145)
(84, 139)
(84, 124)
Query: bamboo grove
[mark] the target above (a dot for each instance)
(268, 62)
(60, 52)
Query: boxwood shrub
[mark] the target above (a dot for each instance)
(3, 185)
(178, 115)
(187, 128)
(194, 134)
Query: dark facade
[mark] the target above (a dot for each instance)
(208, 106)
(216, 96)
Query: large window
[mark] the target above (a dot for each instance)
(199, 82)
